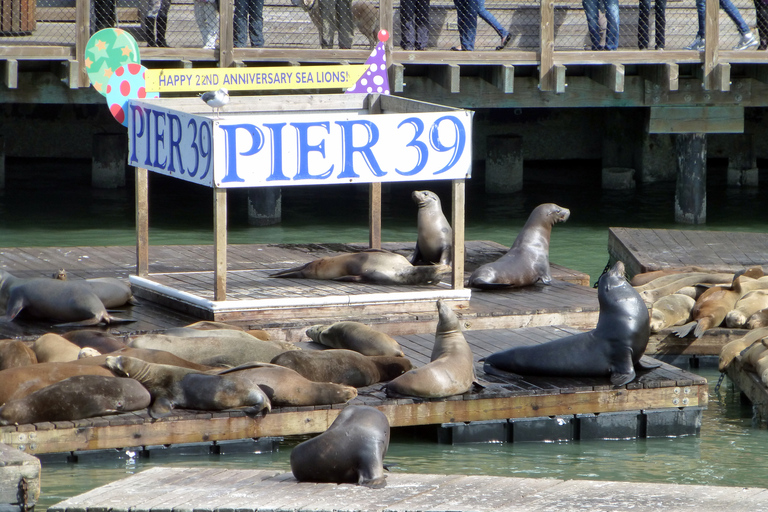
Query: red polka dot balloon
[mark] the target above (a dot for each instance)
(126, 83)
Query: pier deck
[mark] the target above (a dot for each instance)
(753, 388)
(264, 490)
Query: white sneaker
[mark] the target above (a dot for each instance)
(747, 41)
(697, 44)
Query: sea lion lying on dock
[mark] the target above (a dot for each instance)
(74, 398)
(112, 292)
(749, 304)
(15, 353)
(670, 310)
(343, 366)
(434, 241)
(102, 341)
(527, 261)
(370, 266)
(613, 348)
(52, 348)
(355, 336)
(23, 380)
(733, 348)
(351, 451)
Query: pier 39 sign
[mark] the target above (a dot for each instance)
(282, 149)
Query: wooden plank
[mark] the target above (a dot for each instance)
(220, 243)
(711, 43)
(502, 77)
(83, 34)
(142, 222)
(548, 80)
(609, 75)
(11, 73)
(750, 384)
(678, 119)
(374, 215)
(458, 198)
(447, 76)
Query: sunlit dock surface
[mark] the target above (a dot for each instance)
(229, 490)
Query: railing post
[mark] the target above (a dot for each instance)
(82, 35)
(547, 44)
(226, 43)
(711, 43)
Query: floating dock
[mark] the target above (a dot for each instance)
(753, 388)
(229, 490)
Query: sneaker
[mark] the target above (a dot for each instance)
(747, 41)
(697, 44)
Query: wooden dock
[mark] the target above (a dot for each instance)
(753, 388)
(206, 490)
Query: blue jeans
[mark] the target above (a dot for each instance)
(466, 16)
(248, 20)
(611, 15)
(490, 19)
(730, 10)
(644, 23)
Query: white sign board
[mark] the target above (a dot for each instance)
(300, 149)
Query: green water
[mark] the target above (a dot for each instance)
(729, 451)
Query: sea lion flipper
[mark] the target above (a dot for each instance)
(351, 279)
(683, 330)
(492, 370)
(624, 371)
(646, 365)
(160, 408)
(290, 272)
(375, 483)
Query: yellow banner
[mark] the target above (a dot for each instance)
(253, 79)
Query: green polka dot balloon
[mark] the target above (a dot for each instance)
(105, 52)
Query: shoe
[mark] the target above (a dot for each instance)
(747, 41)
(457, 48)
(504, 42)
(697, 44)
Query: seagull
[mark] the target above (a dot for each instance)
(216, 99)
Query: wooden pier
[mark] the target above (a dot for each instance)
(206, 490)
(753, 388)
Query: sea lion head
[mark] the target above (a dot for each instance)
(425, 198)
(61, 275)
(126, 366)
(554, 213)
(314, 332)
(88, 352)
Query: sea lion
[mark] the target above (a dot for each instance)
(52, 348)
(646, 277)
(112, 292)
(88, 352)
(613, 348)
(343, 366)
(351, 451)
(82, 396)
(674, 309)
(286, 387)
(15, 353)
(749, 304)
(64, 302)
(148, 355)
(711, 307)
(651, 292)
(222, 347)
(733, 348)
(21, 381)
(451, 369)
(370, 266)
(527, 261)
(355, 336)
(175, 387)
(758, 319)
(434, 241)
(102, 341)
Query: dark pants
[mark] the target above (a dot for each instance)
(644, 23)
(414, 24)
(466, 16)
(761, 13)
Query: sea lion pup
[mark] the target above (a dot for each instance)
(175, 387)
(674, 309)
(745, 307)
(370, 266)
(58, 301)
(758, 320)
(23, 380)
(286, 387)
(343, 366)
(52, 348)
(112, 292)
(82, 396)
(351, 451)
(434, 242)
(355, 336)
(527, 261)
(14, 353)
(733, 348)
(613, 348)
(451, 370)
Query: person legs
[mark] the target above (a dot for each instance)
(344, 23)
(660, 7)
(593, 26)
(421, 13)
(240, 24)
(612, 16)
(407, 24)
(207, 17)
(256, 22)
(735, 15)
(643, 23)
(466, 15)
(490, 19)
(761, 13)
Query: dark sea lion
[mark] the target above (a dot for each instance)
(343, 366)
(64, 302)
(371, 266)
(351, 451)
(434, 241)
(451, 369)
(102, 341)
(711, 308)
(21, 381)
(52, 348)
(112, 292)
(82, 396)
(355, 336)
(15, 353)
(613, 348)
(527, 261)
(286, 387)
(175, 387)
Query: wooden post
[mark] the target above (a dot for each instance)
(457, 222)
(226, 42)
(142, 222)
(547, 57)
(220, 243)
(83, 34)
(711, 42)
(374, 215)
(691, 191)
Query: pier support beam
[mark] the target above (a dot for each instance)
(265, 206)
(2, 162)
(619, 145)
(691, 192)
(657, 158)
(110, 153)
(504, 164)
(742, 164)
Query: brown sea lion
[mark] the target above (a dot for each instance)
(150, 356)
(74, 398)
(749, 304)
(175, 387)
(527, 261)
(670, 310)
(52, 348)
(434, 241)
(369, 266)
(646, 277)
(102, 341)
(733, 348)
(710, 309)
(286, 387)
(21, 381)
(15, 353)
(451, 369)
(355, 336)
(112, 292)
(343, 366)
(351, 451)
(653, 291)
(758, 319)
